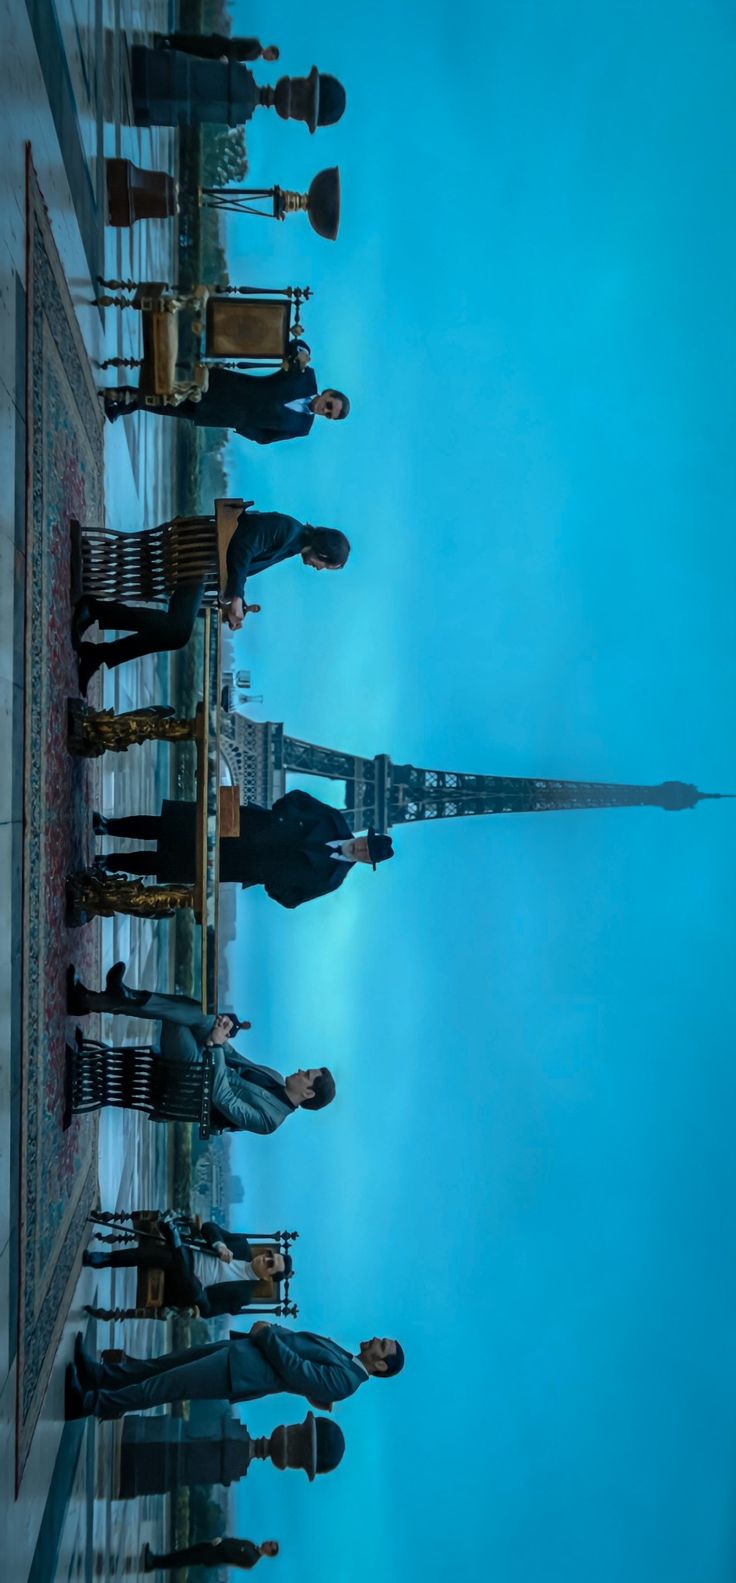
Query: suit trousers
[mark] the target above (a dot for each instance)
(154, 630)
(181, 1288)
(184, 1026)
(204, 1554)
(196, 1374)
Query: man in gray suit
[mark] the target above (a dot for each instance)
(268, 1360)
(245, 1097)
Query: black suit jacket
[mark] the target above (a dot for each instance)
(212, 46)
(296, 865)
(261, 540)
(217, 1297)
(234, 1240)
(225, 1297)
(282, 848)
(255, 404)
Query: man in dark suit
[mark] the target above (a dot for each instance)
(298, 849)
(211, 1278)
(268, 1360)
(262, 539)
(241, 1553)
(218, 1237)
(216, 46)
(262, 407)
(245, 1097)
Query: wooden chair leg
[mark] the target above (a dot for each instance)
(109, 1313)
(127, 1237)
(122, 362)
(104, 300)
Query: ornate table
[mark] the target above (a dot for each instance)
(92, 892)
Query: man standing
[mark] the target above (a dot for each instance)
(240, 1553)
(299, 849)
(262, 539)
(270, 1359)
(262, 407)
(245, 1097)
(210, 1277)
(216, 46)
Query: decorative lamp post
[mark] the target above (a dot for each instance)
(321, 203)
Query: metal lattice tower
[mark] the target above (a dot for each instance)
(383, 794)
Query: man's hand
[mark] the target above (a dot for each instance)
(235, 613)
(221, 1031)
(260, 1324)
(225, 1255)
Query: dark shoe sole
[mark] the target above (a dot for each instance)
(77, 1402)
(76, 999)
(83, 617)
(114, 980)
(87, 1369)
(85, 669)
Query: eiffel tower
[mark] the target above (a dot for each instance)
(384, 794)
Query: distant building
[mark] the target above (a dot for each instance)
(228, 998)
(212, 1179)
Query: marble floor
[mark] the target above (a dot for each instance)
(64, 87)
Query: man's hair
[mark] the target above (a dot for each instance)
(329, 544)
(324, 1091)
(345, 408)
(394, 1363)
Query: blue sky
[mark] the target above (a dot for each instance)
(528, 1174)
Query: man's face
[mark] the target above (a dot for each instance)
(301, 1083)
(357, 849)
(311, 558)
(269, 1547)
(375, 1352)
(267, 1265)
(327, 405)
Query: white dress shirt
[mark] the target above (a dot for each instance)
(300, 404)
(210, 1269)
(336, 851)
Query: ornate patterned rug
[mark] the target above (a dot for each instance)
(58, 1182)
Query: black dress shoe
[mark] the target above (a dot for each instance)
(109, 863)
(115, 986)
(89, 1371)
(84, 616)
(119, 402)
(78, 1403)
(87, 665)
(77, 995)
(114, 980)
(99, 823)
